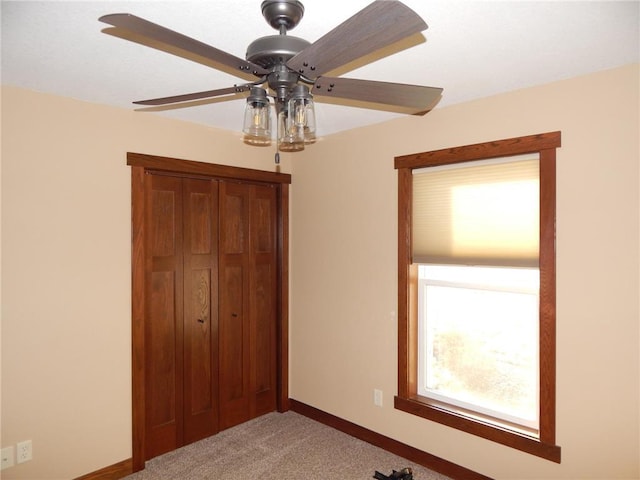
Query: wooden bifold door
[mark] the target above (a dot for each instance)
(181, 328)
(208, 332)
(247, 306)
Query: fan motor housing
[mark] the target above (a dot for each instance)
(274, 49)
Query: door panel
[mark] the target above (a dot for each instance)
(263, 328)
(198, 348)
(200, 219)
(234, 361)
(248, 309)
(164, 202)
(234, 219)
(263, 286)
(263, 220)
(234, 318)
(163, 326)
(160, 342)
(200, 309)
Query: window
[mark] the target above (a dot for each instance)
(477, 341)
(476, 290)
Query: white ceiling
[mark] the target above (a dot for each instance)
(473, 49)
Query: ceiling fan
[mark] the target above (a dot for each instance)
(292, 70)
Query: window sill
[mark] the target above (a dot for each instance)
(485, 430)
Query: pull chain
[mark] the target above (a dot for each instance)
(277, 157)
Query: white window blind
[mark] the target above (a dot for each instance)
(477, 213)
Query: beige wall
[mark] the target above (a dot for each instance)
(66, 271)
(66, 309)
(343, 329)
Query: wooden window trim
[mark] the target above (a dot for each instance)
(141, 164)
(407, 399)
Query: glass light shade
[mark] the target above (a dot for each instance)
(310, 123)
(290, 138)
(257, 118)
(303, 114)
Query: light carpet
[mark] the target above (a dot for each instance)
(278, 446)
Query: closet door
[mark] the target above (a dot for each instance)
(263, 282)
(181, 342)
(234, 304)
(164, 320)
(200, 326)
(209, 319)
(248, 280)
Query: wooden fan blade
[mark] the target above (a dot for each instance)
(157, 33)
(378, 25)
(412, 99)
(195, 96)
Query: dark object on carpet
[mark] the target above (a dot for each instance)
(404, 474)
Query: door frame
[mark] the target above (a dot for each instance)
(143, 164)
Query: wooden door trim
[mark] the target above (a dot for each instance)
(177, 165)
(282, 315)
(141, 165)
(138, 265)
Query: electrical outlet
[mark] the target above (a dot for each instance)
(24, 451)
(377, 397)
(7, 458)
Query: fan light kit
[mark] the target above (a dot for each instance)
(290, 70)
